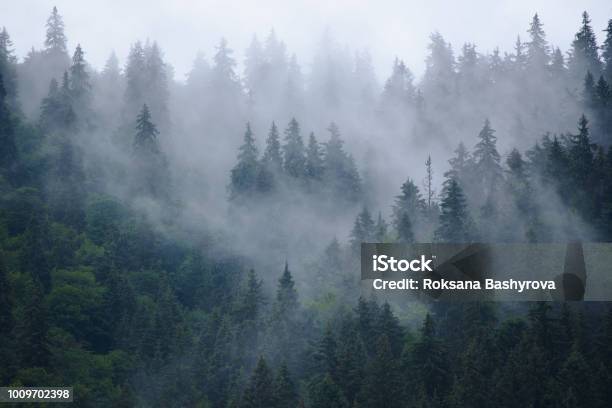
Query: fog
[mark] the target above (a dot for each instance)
(385, 28)
(401, 82)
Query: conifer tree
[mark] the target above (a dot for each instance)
(145, 139)
(80, 86)
(259, 392)
(285, 392)
(8, 149)
(405, 234)
(381, 384)
(286, 294)
(293, 151)
(581, 154)
(340, 174)
(8, 67)
(326, 393)
(244, 173)
(409, 203)
(487, 159)
(272, 157)
(606, 54)
(314, 159)
(55, 40)
(455, 222)
(429, 361)
(380, 229)
(537, 48)
(584, 54)
(32, 336)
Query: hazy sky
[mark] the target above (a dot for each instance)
(387, 28)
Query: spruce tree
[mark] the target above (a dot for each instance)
(487, 160)
(293, 151)
(145, 140)
(55, 40)
(272, 156)
(314, 159)
(340, 174)
(286, 295)
(409, 203)
(8, 148)
(455, 222)
(244, 173)
(405, 235)
(80, 86)
(584, 54)
(326, 393)
(260, 392)
(429, 362)
(32, 329)
(606, 54)
(380, 229)
(537, 48)
(8, 67)
(285, 392)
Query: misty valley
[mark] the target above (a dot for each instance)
(195, 242)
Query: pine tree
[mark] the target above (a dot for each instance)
(244, 173)
(537, 48)
(259, 392)
(56, 39)
(314, 159)
(455, 223)
(584, 53)
(293, 151)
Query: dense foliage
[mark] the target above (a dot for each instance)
(105, 287)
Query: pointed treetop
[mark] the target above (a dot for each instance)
(55, 39)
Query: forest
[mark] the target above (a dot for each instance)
(195, 243)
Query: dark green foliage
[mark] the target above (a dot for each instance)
(584, 54)
(260, 392)
(455, 222)
(244, 174)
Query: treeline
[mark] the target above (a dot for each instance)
(313, 168)
(557, 190)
